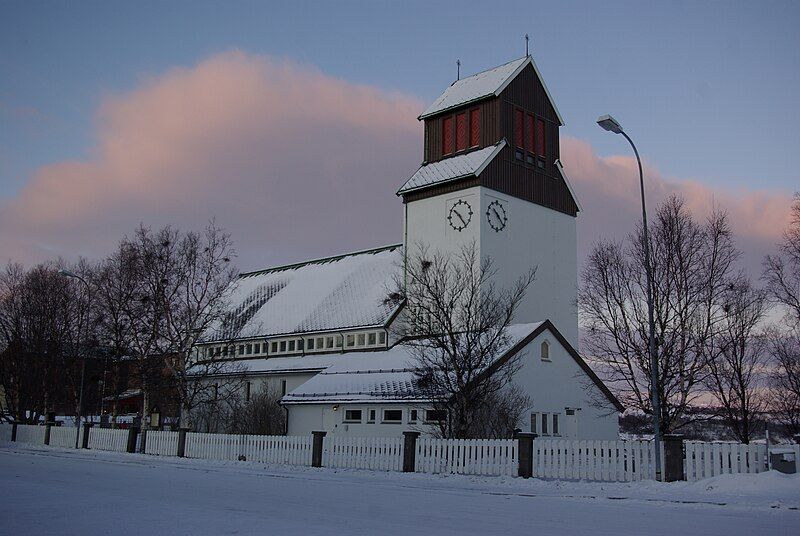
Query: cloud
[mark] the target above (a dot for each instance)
(295, 164)
(609, 191)
(292, 162)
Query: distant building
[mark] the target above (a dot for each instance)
(320, 331)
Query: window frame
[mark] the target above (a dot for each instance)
(352, 420)
(384, 420)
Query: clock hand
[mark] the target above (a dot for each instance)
(498, 215)
(460, 217)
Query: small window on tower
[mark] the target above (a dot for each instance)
(545, 351)
(461, 131)
(474, 127)
(529, 132)
(447, 135)
(519, 132)
(540, 141)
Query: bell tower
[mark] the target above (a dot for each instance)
(492, 173)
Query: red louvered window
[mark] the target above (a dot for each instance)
(540, 145)
(474, 127)
(461, 131)
(518, 128)
(447, 135)
(529, 132)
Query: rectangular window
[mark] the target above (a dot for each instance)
(274, 347)
(393, 415)
(352, 415)
(283, 346)
(329, 342)
(300, 344)
(435, 415)
(320, 343)
(351, 340)
(529, 132)
(291, 346)
(257, 348)
(555, 423)
(382, 337)
(310, 344)
(413, 418)
(248, 349)
(474, 127)
(225, 351)
(241, 349)
(461, 131)
(534, 417)
(361, 339)
(247, 391)
(540, 145)
(519, 136)
(371, 415)
(544, 424)
(447, 135)
(371, 339)
(283, 387)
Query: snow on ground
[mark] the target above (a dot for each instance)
(60, 491)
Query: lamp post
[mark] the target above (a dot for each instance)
(612, 125)
(67, 273)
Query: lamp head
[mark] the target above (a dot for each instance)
(610, 124)
(66, 273)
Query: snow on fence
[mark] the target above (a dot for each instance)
(467, 456)
(376, 453)
(608, 461)
(162, 443)
(108, 439)
(290, 450)
(707, 459)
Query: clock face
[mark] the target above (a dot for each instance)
(497, 216)
(460, 215)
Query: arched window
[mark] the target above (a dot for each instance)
(545, 351)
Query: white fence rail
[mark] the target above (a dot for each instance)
(290, 450)
(609, 461)
(704, 459)
(64, 436)
(162, 443)
(467, 456)
(114, 439)
(376, 453)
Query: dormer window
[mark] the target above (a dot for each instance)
(447, 135)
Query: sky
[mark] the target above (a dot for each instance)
(293, 124)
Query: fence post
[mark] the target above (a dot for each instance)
(316, 454)
(14, 431)
(133, 431)
(182, 442)
(47, 426)
(525, 453)
(673, 458)
(85, 441)
(410, 451)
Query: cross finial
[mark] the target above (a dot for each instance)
(526, 45)
(458, 69)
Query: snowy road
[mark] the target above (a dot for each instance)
(54, 491)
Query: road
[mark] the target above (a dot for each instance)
(54, 491)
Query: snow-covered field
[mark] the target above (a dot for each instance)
(59, 491)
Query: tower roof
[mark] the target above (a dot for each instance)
(489, 83)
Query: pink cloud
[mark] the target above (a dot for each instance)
(291, 161)
(295, 164)
(609, 191)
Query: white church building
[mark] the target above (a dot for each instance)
(320, 332)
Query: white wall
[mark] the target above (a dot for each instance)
(534, 236)
(559, 384)
(305, 418)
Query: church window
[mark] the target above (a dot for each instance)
(283, 346)
(274, 347)
(474, 127)
(291, 346)
(351, 340)
(371, 339)
(300, 344)
(529, 122)
(361, 338)
(257, 348)
(248, 349)
(338, 341)
(540, 141)
(311, 343)
(461, 131)
(447, 135)
(545, 351)
(382, 337)
(519, 132)
(329, 342)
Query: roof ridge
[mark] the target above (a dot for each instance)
(321, 260)
(491, 68)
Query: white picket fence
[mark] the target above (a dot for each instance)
(5, 432)
(375, 453)
(704, 459)
(289, 450)
(30, 433)
(496, 457)
(113, 439)
(608, 461)
(64, 436)
(161, 443)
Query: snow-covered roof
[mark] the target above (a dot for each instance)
(386, 376)
(456, 167)
(343, 292)
(476, 87)
(484, 84)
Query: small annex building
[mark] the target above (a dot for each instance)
(320, 332)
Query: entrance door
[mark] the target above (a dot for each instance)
(571, 423)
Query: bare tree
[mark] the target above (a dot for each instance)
(692, 265)
(782, 275)
(737, 359)
(455, 327)
(262, 414)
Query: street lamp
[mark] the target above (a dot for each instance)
(67, 273)
(612, 125)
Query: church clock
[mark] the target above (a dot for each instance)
(497, 216)
(460, 215)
